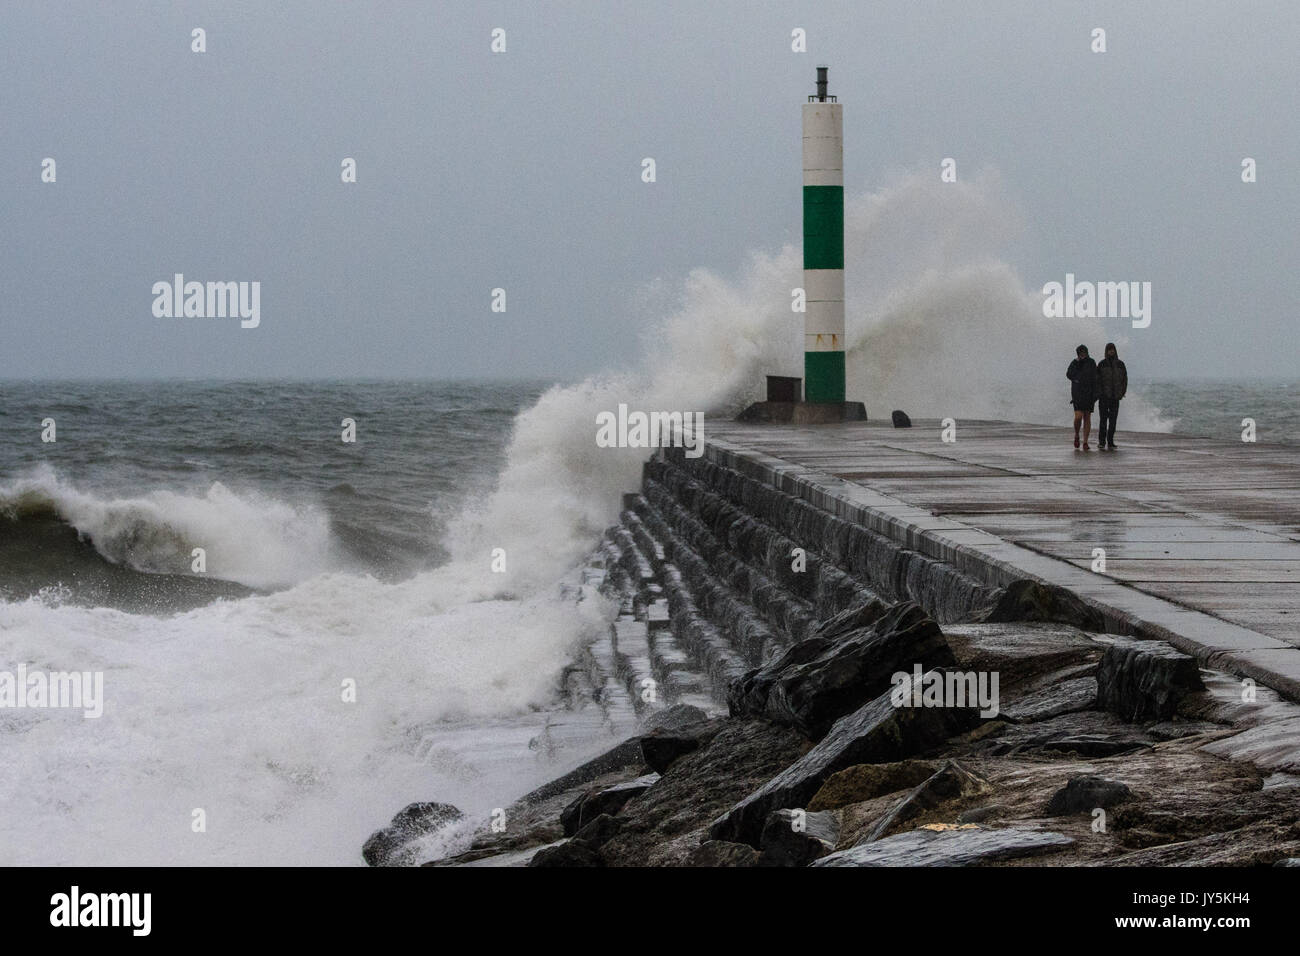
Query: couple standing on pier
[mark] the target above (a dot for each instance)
(1105, 381)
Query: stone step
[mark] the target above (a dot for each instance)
(611, 693)
(679, 684)
(631, 649)
(658, 617)
(651, 549)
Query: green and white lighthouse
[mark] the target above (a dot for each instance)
(823, 246)
(817, 398)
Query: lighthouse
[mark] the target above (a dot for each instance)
(819, 396)
(823, 246)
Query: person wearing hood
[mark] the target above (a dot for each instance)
(1112, 384)
(1082, 374)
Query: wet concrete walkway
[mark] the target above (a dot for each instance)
(1201, 536)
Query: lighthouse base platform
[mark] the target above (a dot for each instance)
(804, 413)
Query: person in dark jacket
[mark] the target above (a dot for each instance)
(1082, 374)
(1112, 384)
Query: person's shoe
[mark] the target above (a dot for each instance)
(1085, 446)
(1076, 441)
(1112, 446)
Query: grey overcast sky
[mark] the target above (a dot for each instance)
(522, 170)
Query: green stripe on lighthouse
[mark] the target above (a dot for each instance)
(823, 376)
(823, 247)
(823, 227)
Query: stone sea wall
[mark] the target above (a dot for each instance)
(759, 640)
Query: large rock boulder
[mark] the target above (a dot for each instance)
(878, 732)
(796, 837)
(952, 781)
(1085, 794)
(661, 747)
(624, 756)
(844, 666)
(900, 418)
(568, 853)
(592, 804)
(1067, 697)
(599, 831)
(721, 853)
(1088, 734)
(1027, 600)
(1145, 680)
(866, 781)
(1027, 656)
(950, 846)
(675, 718)
(667, 823)
(392, 845)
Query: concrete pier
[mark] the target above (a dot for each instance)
(1201, 536)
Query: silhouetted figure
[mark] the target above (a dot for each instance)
(1082, 374)
(1112, 383)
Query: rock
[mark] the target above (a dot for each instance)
(900, 419)
(950, 782)
(747, 696)
(660, 751)
(1087, 746)
(661, 747)
(878, 732)
(722, 853)
(812, 691)
(668, 822)
(599, 831)
(571, 815)
(980, 814)
(389, 846)
(1259, 845)
(867, 781)
(851, 620)
(1272, 745)
(1288, 861)
(1088, 734)
(1182, 818)
(568, 853)
(961, 846)
(1086, 793)
(796, 837)
(1027, 656)
(1067, 697)
(1027, 600)
(1177, 729)
(1145, 680)
(676, 717)
(625, 755)
(592, 804)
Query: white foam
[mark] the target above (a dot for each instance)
(247, 537)
(236, 708)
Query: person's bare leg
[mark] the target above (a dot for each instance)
(1087, 427)
(1078, 420)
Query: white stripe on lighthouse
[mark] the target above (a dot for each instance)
(823, 144)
